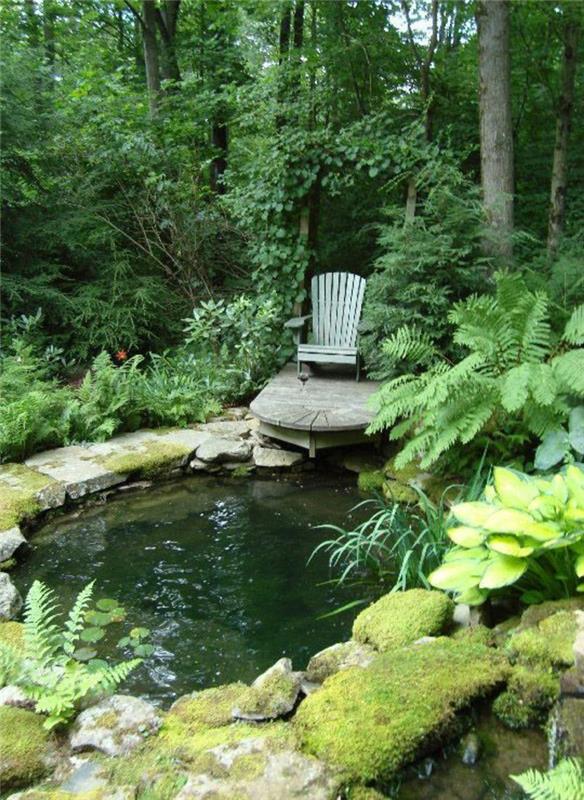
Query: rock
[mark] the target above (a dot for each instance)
(208, 708)
(572, 683)
(253, 769)
(471, 749)
(10, 599)
(10, 541)
(466, 616)
(425, 640)
(229, 429)
(401, 618)
(566, 729)
(578, 646)
(273, 694)
(14, 696)
(75, 469)
(534, 614)
(337, 657)
(115, 725)
(203, 466)
(237, 412)
(24, 493)
(27, 750)
(268, 458)
(372, 722)
(219, 450)
(362, 459)
(12, 634)
(550, 642)
(531, 692)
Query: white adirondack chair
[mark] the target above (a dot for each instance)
(337, 298)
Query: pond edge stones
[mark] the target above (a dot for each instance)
(273, 694)
(10, 599)
(114, 726)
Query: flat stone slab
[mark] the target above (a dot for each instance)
(270, 458)
(220, 449)
(74, 467)
(46, 492)
(231, 429)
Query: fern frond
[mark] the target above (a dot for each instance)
(564, 782)
(568, 371)
(535, 334)
(41, 634)
(76, 618)
(409, 342)
(515, 388)
(574, 330)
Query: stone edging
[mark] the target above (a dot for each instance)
(67, 475)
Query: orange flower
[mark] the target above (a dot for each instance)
(121, 355)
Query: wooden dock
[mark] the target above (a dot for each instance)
(327, 410)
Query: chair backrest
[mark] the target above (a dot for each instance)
(337, 298)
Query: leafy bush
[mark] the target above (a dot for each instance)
(56, 668)
(526, 534)
(557, 444)
(518, 379)
(563, 782)
(427, 264)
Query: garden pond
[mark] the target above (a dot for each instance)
(216, 568)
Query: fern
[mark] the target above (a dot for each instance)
(46, 670)
(564, 782)
(574, 330)
(516, 379)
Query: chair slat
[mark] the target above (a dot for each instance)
(337, 298)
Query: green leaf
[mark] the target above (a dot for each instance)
(513, 490)
(509, 546)
(576, 429)
(84, 654)
(125, 641)
(579, 566)
(509, 520)
(144, 650)
(474, 514)
(553, 449)
(465, 536)
(503, 571)
(107, 604)
(139, 633)
(472, 597)
(457, 575)
(92, 634)
(98, 618)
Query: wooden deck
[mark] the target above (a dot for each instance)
(328, 410)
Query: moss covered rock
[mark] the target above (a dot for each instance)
(400, 618)
(150, 459)
(337, 657)
(12, 633)
(273, 694)
(26, 748)
(371, 480)
(530, 694)
(533, 615)
(549, 642)
(24, 492)
(209, 708)
(372, 722)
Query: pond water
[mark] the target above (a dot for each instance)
(216, 568)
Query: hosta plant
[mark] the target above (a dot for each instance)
(525, 536)
(57, 666)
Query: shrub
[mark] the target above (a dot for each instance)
(517, 381)
(526, 533)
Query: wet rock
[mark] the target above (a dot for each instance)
(219, 450)
(268, 458)
(566, 729)
(115, 725)
(338, 657)
(14, 696)
(10, 541)
(75, 469)
(253, 769)
(10, 599)
(470, 749)
(27, 750)
(230, 429)
(572, 683)
(466, 616)
(273, 694)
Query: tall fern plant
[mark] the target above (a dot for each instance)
(46, 668)
(517, 376)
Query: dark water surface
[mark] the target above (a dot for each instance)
(214, 567)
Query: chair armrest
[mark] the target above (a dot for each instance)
(297, 322)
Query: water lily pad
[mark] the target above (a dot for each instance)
(84, 654)
(92, 634)
(107, 604)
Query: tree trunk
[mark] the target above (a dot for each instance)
(219, 140)
(496, 130)
(563, 124)
(283, 52)
(151, 54)
(166, 19)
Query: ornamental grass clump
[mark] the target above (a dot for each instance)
(526, 536)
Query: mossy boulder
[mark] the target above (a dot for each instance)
(208, 708)
(371, 481)
(152, 458)
(273, 694)
(26, 748)
(13, 634)
(372, 722)
(533, 615)
(550, 642)
(400, 618)
(530, 694)
(24, 492)
(337, 657)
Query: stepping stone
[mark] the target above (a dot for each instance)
(74, 467)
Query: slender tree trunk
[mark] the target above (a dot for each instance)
(563, 124)
(151, 60)
(219, 140)
(166, 19)
(496, 130)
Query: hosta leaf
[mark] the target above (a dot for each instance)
(460, 553)
(543, 531)
(457, 575)
(508, 520)
(472, 597)
(576, 429)
(465, 536)
(508, 545)
(473, 514)
(512, 490)
(553, 449)
(559, 489)
(574, 512)
(579, 566)
(502, 571)
(575, 484)
(544, 507)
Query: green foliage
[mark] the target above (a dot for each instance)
(563, 782)
(52, 668)
(525, 537)
(557, 445)
(516, 381)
